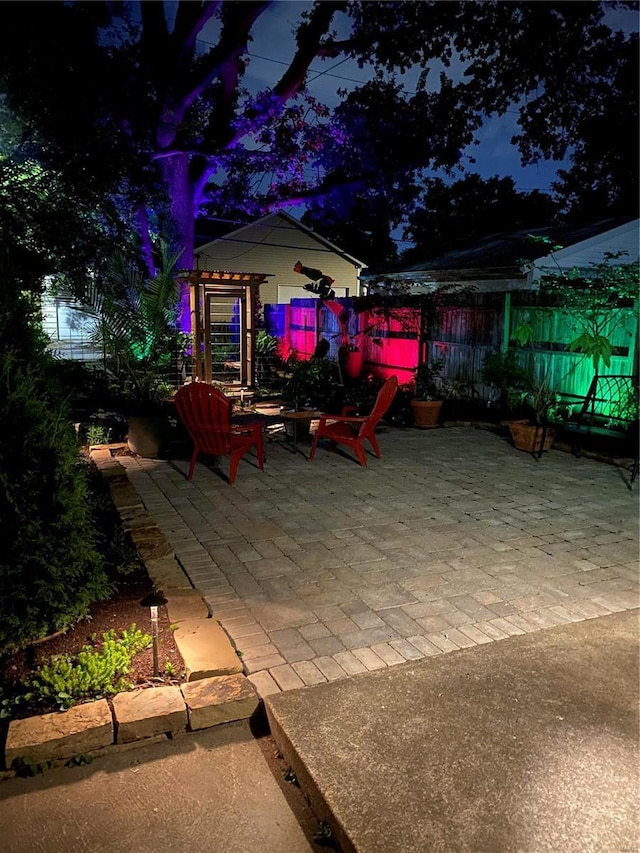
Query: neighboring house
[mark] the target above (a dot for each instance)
(273, 245)
(623, 241)
(68, 328)
(501, 262)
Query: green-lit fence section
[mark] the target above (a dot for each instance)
(568, 373)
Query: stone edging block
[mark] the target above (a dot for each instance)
(150, 542)
(125, 495)
(205, 649)
(212, 701)
(148, 712)
(166, 574)
(60, 735)
(183, 604)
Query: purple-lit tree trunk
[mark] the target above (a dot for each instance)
(175, 174)
(186, 79)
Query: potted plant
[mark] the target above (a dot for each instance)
(506, 378)
(135, 325)
(312, 384)
(532, 400)
(428, 395)
(534, 432)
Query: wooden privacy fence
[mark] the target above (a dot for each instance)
(390, 345)
(463, 337)
(395, 342)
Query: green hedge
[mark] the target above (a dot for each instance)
(50, 570)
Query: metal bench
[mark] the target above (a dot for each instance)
(609, 411)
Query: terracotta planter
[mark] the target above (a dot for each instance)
(148, 435)
(527, 436)
(426, 413)
(353, 362)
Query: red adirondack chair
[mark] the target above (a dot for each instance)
(353, 430)
(206, 413)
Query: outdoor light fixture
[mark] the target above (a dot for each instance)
(153, 601)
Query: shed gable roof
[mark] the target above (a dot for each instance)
(281, 220)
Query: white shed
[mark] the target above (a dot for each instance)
(272, 245)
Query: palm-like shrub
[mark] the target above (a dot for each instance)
(134, 323)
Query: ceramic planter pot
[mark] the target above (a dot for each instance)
(528, 436)
(426, 413)
(148, 435)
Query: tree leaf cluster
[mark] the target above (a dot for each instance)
(140, 109)
(592, 299)
(134, 323)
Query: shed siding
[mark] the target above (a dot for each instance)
(273, 246)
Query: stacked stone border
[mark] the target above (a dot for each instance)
(216, 690)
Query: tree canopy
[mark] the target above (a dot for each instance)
(149, 103)
(451, 216)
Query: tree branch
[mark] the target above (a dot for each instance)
(309, 47)
(154, 28)
(223, 61)
(190, 19)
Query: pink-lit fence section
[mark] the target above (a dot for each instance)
(391, 344)
(389, 341)
(302, 328)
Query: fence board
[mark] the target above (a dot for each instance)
(393, 345)
(303, 331)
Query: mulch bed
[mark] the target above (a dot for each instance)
(118, 613)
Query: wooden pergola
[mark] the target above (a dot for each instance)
(205, 286)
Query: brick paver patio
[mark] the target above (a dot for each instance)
(453, 539)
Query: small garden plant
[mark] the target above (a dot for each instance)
(96, 671)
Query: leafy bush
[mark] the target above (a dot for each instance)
(65, 680)
(504, 371)
(50, 570)
(314, 383)
(98, 435)
(427, 380)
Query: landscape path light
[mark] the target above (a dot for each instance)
(153, 601)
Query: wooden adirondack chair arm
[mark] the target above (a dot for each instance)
(351, 419)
